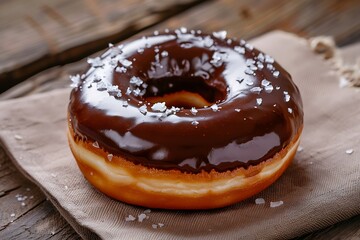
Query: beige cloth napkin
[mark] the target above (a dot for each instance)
(320, 188)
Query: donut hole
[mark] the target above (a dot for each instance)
(184, 92)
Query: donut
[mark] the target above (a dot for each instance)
(183, 120)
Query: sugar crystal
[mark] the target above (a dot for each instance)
(259, 201)
(349, 151)
(276, 204)
(220, 34)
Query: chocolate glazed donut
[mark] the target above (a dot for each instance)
(187, 104)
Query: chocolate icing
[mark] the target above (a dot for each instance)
(256, 110)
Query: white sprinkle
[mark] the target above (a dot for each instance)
(114, 89)
(269, 59)
(269, 66)
(265, 83)
(95, 62)
(276, 204)
(140, 50)
(229, 41)
(290, 110)
(110, 157)
(75, 80)
(261, 57)
(256, 90)
(161, 225)
(130, 218)
(208, 41)
(300, 149)
(276, 74)
(214, 107)
(183, 29)
(136, 81)
(249, 62)
(220, 34)
(12, 215)
(125, 62)
(259, 201)
(237, 109)
(287, 98)
(20, 198)
(156, 32)
(217, 59)
(193, 111)
(344, 82)
(242, 42)
(269, 88)
(18, 137)
(253, 67)
(195, 123)
(277, 88)
(249, 82)
(259, 101)
(147, 211)
(239, 49)
(96, 144)
(141, 217)
(249, 71)
(159, 107)
(349, 151)
(170, 111)
(115, 51)
(66, 187)
(249, 46)
(143, 109)
(137, 92)
(120, 69)
(164, 53)
(260, 65)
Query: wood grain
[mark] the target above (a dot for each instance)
(65, 31)
(81, 35)
(45, 34)
(25, 212)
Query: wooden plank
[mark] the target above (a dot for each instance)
(25, 212)
(42, 222)
(246, 19)
(59, 33)
(36, 36)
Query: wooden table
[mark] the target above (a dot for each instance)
(43, 41)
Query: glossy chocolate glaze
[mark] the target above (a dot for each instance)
(257, 108)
